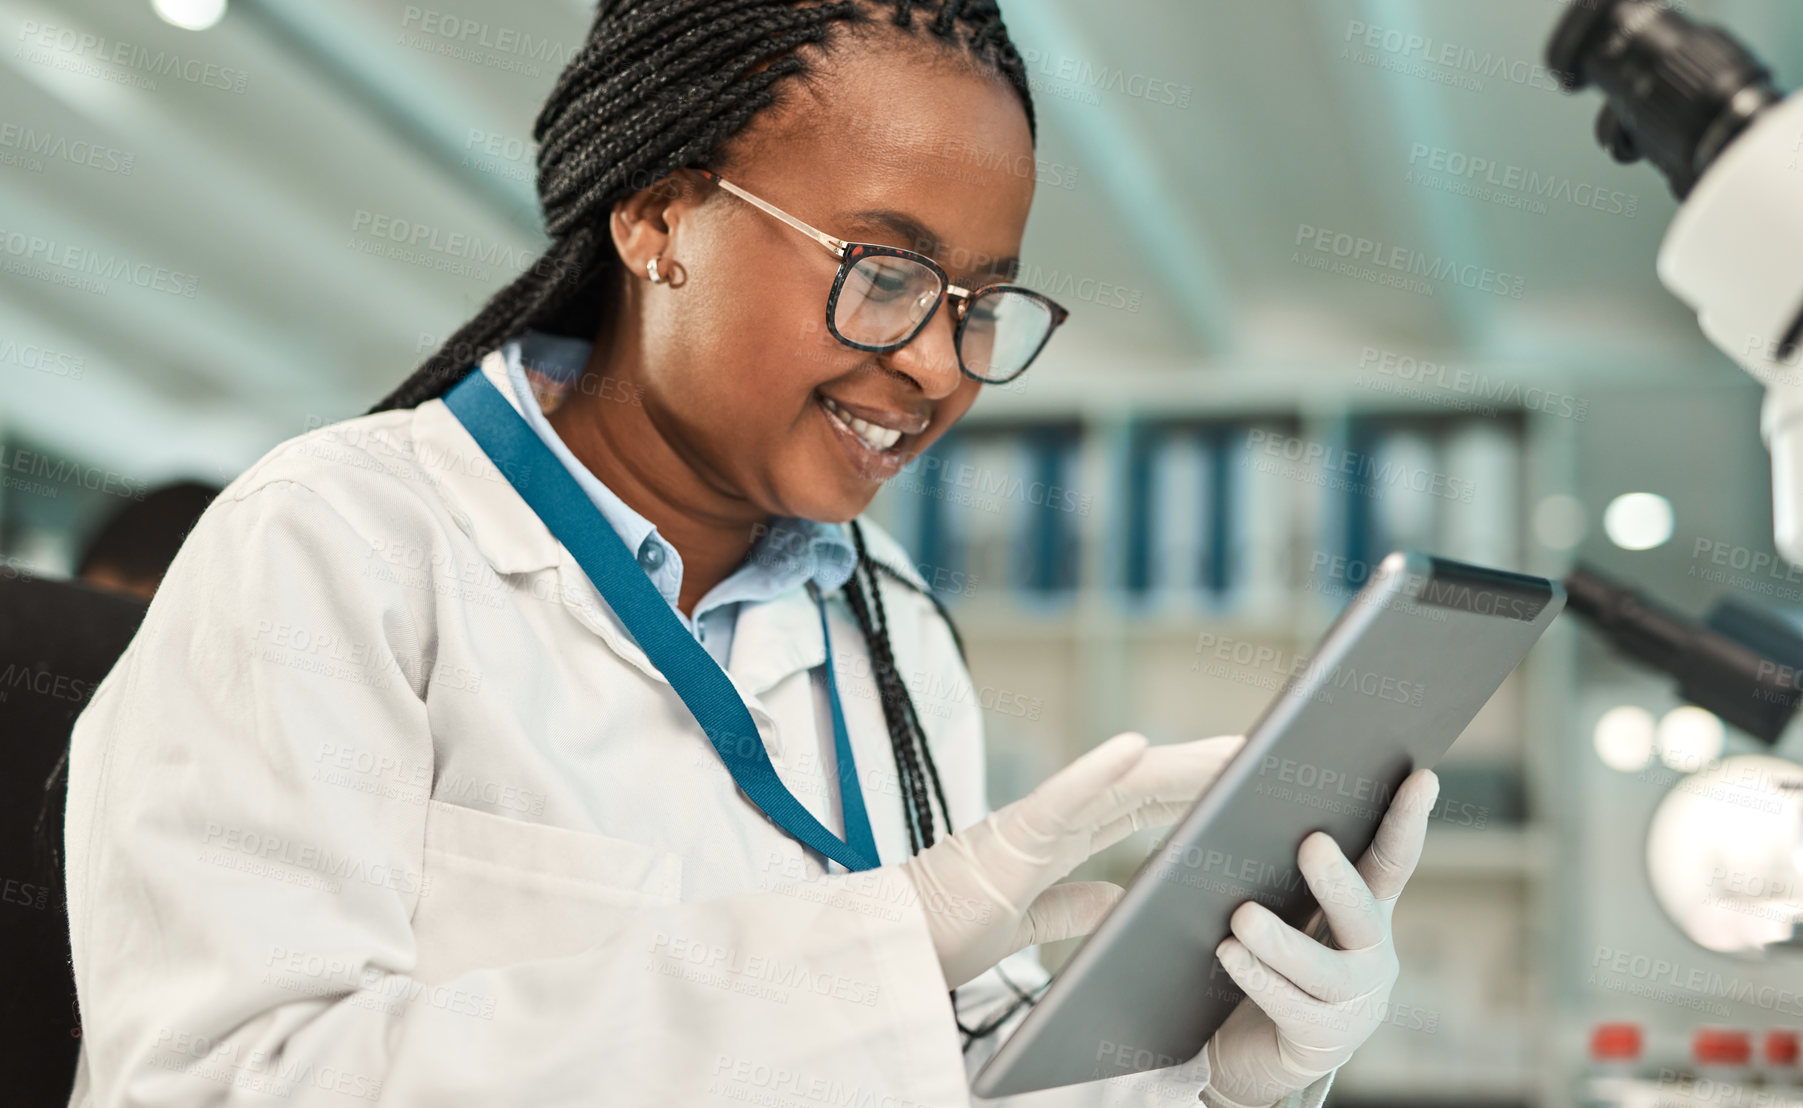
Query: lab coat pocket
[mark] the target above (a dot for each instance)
(497, 891)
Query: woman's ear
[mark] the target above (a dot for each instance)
(643, 224)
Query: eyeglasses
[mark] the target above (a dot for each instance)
(883, 296)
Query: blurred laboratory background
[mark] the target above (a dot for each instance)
(1346, 276)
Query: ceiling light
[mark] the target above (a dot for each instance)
(189, 15)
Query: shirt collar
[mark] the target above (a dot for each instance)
(554, 362)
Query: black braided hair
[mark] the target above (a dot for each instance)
(657, 86)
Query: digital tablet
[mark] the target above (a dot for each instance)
(1395, 680)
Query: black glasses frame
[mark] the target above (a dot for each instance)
(851, 253)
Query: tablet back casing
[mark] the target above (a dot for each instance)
(1396, 679)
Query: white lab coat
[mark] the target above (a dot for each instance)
(382, 801)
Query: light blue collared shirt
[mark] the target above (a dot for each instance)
(792, 552)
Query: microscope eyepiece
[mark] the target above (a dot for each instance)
(1678, 92)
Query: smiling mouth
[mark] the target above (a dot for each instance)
(878, 438)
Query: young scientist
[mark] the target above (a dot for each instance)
(555, 733)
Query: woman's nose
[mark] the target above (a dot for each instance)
(930, 360)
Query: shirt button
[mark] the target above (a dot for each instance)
(651, 556)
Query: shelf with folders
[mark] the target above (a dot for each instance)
(1268, 521)
(1266, 517)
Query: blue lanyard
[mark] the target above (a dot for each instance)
(552, 492)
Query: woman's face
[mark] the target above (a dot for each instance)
(889, 146)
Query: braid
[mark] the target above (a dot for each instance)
(659, 85)
(906, 736)
(907, 761)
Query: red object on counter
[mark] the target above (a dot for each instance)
(1781, 1048)
(1615, 1042)
(1715, 1046)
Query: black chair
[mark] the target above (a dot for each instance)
(57, 640)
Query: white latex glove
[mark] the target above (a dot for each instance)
(1308, 1006)
(988, 890)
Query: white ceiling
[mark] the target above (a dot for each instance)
(256, 194)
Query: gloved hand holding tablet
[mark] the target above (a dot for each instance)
(1309, 1004)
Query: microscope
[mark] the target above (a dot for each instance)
(1725, 849)
(1706, 113)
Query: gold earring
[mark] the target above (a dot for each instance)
(651, 270)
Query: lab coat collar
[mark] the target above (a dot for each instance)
(482, 501)
(497, 519)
